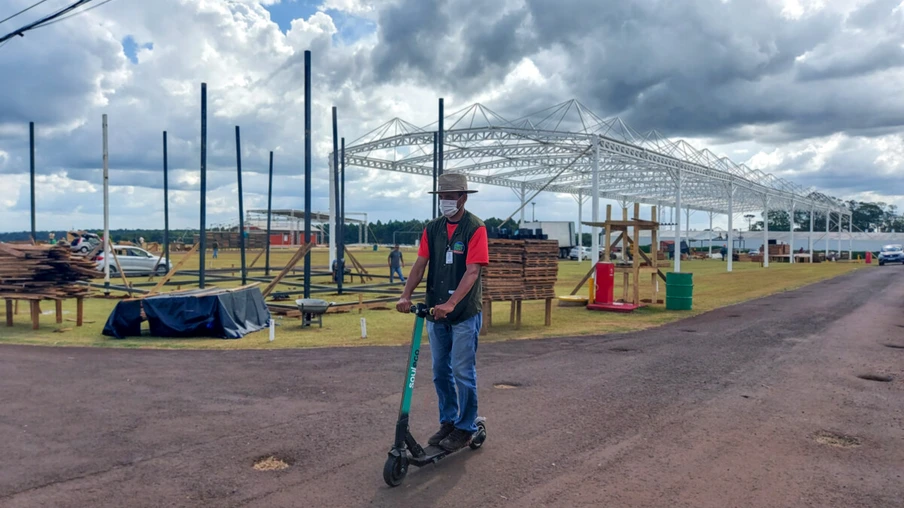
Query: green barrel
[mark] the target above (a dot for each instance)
(679, 291)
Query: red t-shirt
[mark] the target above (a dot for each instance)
(478, 250)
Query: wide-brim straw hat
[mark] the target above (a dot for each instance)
(452, 182)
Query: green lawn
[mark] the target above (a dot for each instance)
(713, 288)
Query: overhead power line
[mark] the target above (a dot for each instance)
(61, 14)
(22, 11)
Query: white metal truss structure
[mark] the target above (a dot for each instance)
(560, 149)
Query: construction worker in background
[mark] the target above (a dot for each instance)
(396, 263)
(52, 237)
(724, 252)
(216, 248)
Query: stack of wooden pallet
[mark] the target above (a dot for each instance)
(230, 239)
(43, 272)
(503, 279)
(541, 266)
(521, 270)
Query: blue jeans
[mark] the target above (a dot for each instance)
(396, 270)
(215, 253)
(454, 349)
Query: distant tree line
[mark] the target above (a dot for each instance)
(867, 217)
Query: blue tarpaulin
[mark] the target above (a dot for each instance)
(226, 314)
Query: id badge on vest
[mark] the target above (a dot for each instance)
(448, 255)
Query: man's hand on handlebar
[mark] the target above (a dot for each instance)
(440, 311)
(404, 305)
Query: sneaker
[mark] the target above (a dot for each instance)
(456, 439)
(444, 430)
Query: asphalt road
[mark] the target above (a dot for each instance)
(719, 410)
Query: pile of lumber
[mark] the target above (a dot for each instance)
(43, 271)
(230, 239)
(521, 270)
(780, 249)
(541, 267)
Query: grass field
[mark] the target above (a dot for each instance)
(713, 288)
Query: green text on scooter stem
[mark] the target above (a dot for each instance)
(412, 365)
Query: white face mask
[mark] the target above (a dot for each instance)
(448, 207)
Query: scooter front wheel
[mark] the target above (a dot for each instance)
(394, 470)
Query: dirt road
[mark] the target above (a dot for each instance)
(757, 404)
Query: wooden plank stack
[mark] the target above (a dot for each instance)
(541, 267)
(43, 272)
(783, 249)
(521, 270)
(230, 239)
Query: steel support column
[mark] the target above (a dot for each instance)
(595, 202)
(307, 171)
(238, 164)
(766, 231)
(166, 238)
(791, 227)
(677, 250)
(851, 237)
(31, 154)
(202, 250)
(810, 236)
(333, 164)
(269, 217)
(731, 192)
(710, 235)
(107, 243)
(828, 220)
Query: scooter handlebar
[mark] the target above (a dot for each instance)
(420, 310)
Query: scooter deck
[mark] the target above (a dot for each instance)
(432, 455)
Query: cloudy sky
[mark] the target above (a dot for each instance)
(809, 90)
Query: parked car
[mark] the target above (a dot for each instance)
(583, 252)
(134, 260)
(891, 254)
(84, 243)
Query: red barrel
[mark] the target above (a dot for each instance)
(869, 257)
(605, 283)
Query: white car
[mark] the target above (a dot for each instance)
(583, 252)
(134, 260)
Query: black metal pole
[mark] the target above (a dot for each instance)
(269, 214)
(238, 163)
(442, 138)
(307, 170)
(203, 237)
(335, 210)
(165, 202)
(434, 172)
(342, 207)
(31, 150)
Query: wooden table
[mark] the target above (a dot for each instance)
(12, 308)
(514, 314)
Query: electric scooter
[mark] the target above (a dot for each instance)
(406, 450)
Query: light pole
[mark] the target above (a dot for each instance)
(533, 211)
(749, 217)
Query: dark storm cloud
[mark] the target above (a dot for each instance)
(464, 46)
(686, 68)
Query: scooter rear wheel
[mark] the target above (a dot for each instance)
(394, 470)
(479, 437)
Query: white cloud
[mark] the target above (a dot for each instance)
(71, 73)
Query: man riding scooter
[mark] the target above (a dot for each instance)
(454, 246)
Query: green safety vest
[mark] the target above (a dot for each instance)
(443, 278)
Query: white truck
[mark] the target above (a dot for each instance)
(562, 231)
